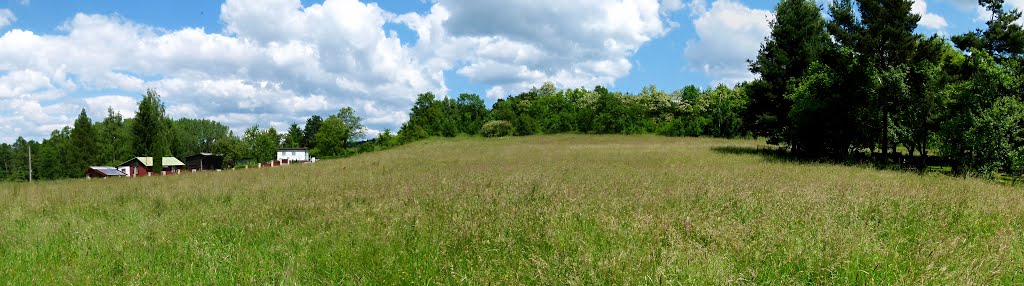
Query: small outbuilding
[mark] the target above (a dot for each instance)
(204, 161)
(141, 166)
(102, 172)
(293, 155)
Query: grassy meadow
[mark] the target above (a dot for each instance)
(564, 209)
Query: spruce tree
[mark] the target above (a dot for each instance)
(83, 143)
(311, 129)
(294, 137)
(149, 128)
(796, 40)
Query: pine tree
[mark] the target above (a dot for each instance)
(149, 130)
(311, 129)
(796, 40)
(270, 141)
(83, 143)
(294, 137)
(113, 138)
(888, 43)
(1002, 38)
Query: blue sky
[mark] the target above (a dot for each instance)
(274, 62)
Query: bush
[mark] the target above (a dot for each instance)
(497, 128)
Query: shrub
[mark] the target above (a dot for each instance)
(497, 128)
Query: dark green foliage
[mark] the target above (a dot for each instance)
(196, 135)
(261, 145)
(472, 113)
(8, 160)
(49, 160)
(825, 108)
(519, 112)
(337, 133)
(983, 125)
(919, 118)
(232, 147)
(797, 38)
(411, 132)
(150, 130)
(611, 113)
(884, 43)
(294, 137)
(497, 128)
(83, 143)
(687, 112)
(445, 117)
(310, 130)
(385, 140)
(1002, 38)
(333, 138)
(114, 139)
(692, 117)
(879, 86)
(14, 160)
(726, 110)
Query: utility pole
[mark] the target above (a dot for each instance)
(29, 162)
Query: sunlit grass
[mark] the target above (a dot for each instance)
(567, 209)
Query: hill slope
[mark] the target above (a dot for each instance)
(535, 210)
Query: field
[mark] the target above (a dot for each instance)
(565, 209)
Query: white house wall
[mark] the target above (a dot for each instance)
(293, 155)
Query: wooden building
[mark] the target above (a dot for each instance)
(204, 161)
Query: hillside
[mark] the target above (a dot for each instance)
(560, 209)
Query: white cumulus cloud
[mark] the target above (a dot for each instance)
(728, 35)
(928, 20)
(278, 70)
(279, 61)
(514, 45)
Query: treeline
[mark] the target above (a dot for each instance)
(69, 151)
(686, 112)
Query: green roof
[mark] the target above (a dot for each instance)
(148, 161)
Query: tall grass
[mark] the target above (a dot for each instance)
(566, 209)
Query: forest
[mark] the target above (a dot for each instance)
(850, 82)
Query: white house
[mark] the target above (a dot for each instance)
(294, 155)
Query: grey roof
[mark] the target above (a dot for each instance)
(205, 154)
(109, 171)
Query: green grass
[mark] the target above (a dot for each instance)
(567, 209)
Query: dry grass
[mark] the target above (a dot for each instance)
(567, 209)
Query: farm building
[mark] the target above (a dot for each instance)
(293, 154)
(204, 161)
(140, 166)
(102, 172)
